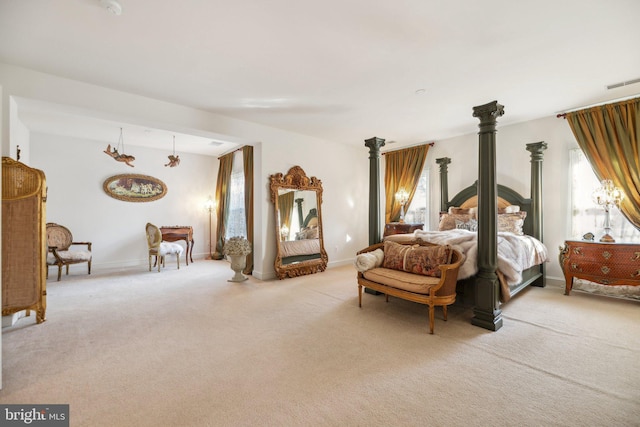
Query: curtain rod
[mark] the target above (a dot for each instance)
(232, 151)
(430, 144)
(626, 98)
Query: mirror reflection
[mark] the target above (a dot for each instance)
(298, 215)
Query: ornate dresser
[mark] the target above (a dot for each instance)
(605, 263)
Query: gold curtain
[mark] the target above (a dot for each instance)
(247, 157)
(609, 135)
(285, 207)
(222, 201)
(402, 170)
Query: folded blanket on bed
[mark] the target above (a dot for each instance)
(515, 253)
(369, 260)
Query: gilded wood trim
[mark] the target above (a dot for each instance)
(297, 179)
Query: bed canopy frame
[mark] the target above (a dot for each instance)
(485, 284)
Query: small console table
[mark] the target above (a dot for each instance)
(605, 263)
(400, 228)
(179, 232)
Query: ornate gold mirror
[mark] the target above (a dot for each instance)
(299, 244)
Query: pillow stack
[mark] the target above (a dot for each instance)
(510, 219)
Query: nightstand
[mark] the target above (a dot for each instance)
(605, 263)
(400, 228)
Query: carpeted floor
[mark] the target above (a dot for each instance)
(188, 348)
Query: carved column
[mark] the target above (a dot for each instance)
(375, 226)
(444, 182)
(537, 155)
(300, 217)
(487, 313)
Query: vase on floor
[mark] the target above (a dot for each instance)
(238, 263)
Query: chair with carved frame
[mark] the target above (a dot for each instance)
(60, 253)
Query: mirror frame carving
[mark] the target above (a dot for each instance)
(296, 179)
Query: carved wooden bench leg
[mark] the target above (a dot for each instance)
(432, 318)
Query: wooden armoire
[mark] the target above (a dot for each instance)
(24, 245)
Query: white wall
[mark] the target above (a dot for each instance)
(76, 170)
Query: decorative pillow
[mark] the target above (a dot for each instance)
(394, 254)
(425, 260)
(416, 259)
(463, 211)
(471, 225)
(307, 233)
(460, 211)
(512, 222)
(509, 209)
(448, 221)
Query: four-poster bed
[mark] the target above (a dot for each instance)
(485, 195)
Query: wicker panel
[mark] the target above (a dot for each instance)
(23, 239)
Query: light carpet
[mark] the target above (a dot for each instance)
(188, 348)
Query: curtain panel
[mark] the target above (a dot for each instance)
(285, 206)
(222, 201)
(609, 135)
(402, 171)
(247, 157)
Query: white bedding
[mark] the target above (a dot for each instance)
(515, 253)
(299, 247)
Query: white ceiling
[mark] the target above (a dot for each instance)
(342, 70)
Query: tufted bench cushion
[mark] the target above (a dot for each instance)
(402, 280)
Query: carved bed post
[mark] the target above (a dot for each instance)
(374, 145)
(537, 155)
(444, 183)
(300, 216)
(487, 313)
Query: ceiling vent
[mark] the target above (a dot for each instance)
(627, 83)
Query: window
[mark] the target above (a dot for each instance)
(236, 224)
(586, 216)
(417, 212)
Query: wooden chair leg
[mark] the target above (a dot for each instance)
(59, 272)
(149, 262)
(444, 312)
(359, 295)
(432, 319)
(89, 267)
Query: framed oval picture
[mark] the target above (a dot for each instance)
(134, 188)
